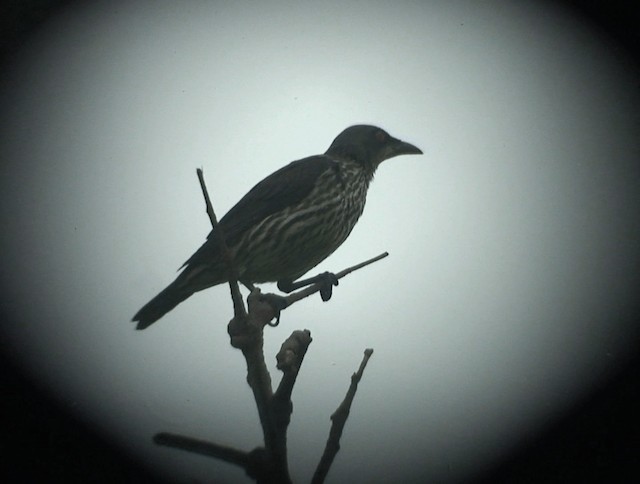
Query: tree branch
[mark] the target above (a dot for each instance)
(236, 296)
(338, 419)
(222, 452)
(313, 288)
(289, 360)
(268, 464)
(253, 462)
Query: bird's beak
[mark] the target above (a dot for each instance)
(404, 148)
(397, 148)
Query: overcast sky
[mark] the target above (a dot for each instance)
(513, 239)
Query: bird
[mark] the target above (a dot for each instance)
(289, 222)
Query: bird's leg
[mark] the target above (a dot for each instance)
(249, 285)
(277, 303)
(326, 280)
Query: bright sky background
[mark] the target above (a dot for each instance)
(513, 240)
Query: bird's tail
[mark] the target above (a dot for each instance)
(160, 305)
(195, 277)
(202, 270)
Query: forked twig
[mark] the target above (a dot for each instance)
(338, 419)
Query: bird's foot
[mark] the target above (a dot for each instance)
(277, 303)
(326, 280)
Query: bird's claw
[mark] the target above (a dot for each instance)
(277, 303)
(327, 280)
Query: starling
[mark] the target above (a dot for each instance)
(289, 222)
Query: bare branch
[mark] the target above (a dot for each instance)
(247, 334)
(207, 200)
(269, 463)
(289, 360)
(236, 296)
(254, 463)
(338, 419)
(313, 288)
(222, 452)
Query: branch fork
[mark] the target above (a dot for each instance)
(268, 464)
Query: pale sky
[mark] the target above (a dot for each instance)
(513, 240)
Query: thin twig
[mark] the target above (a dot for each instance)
(236, 296)
(207, 201)
(222, 452)
(338, 420)
(313, 288)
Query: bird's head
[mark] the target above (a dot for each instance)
(369, 146)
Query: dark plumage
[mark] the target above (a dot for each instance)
(290, 221)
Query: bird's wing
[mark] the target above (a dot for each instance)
(283, 188)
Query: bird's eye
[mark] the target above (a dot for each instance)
(381, 136)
